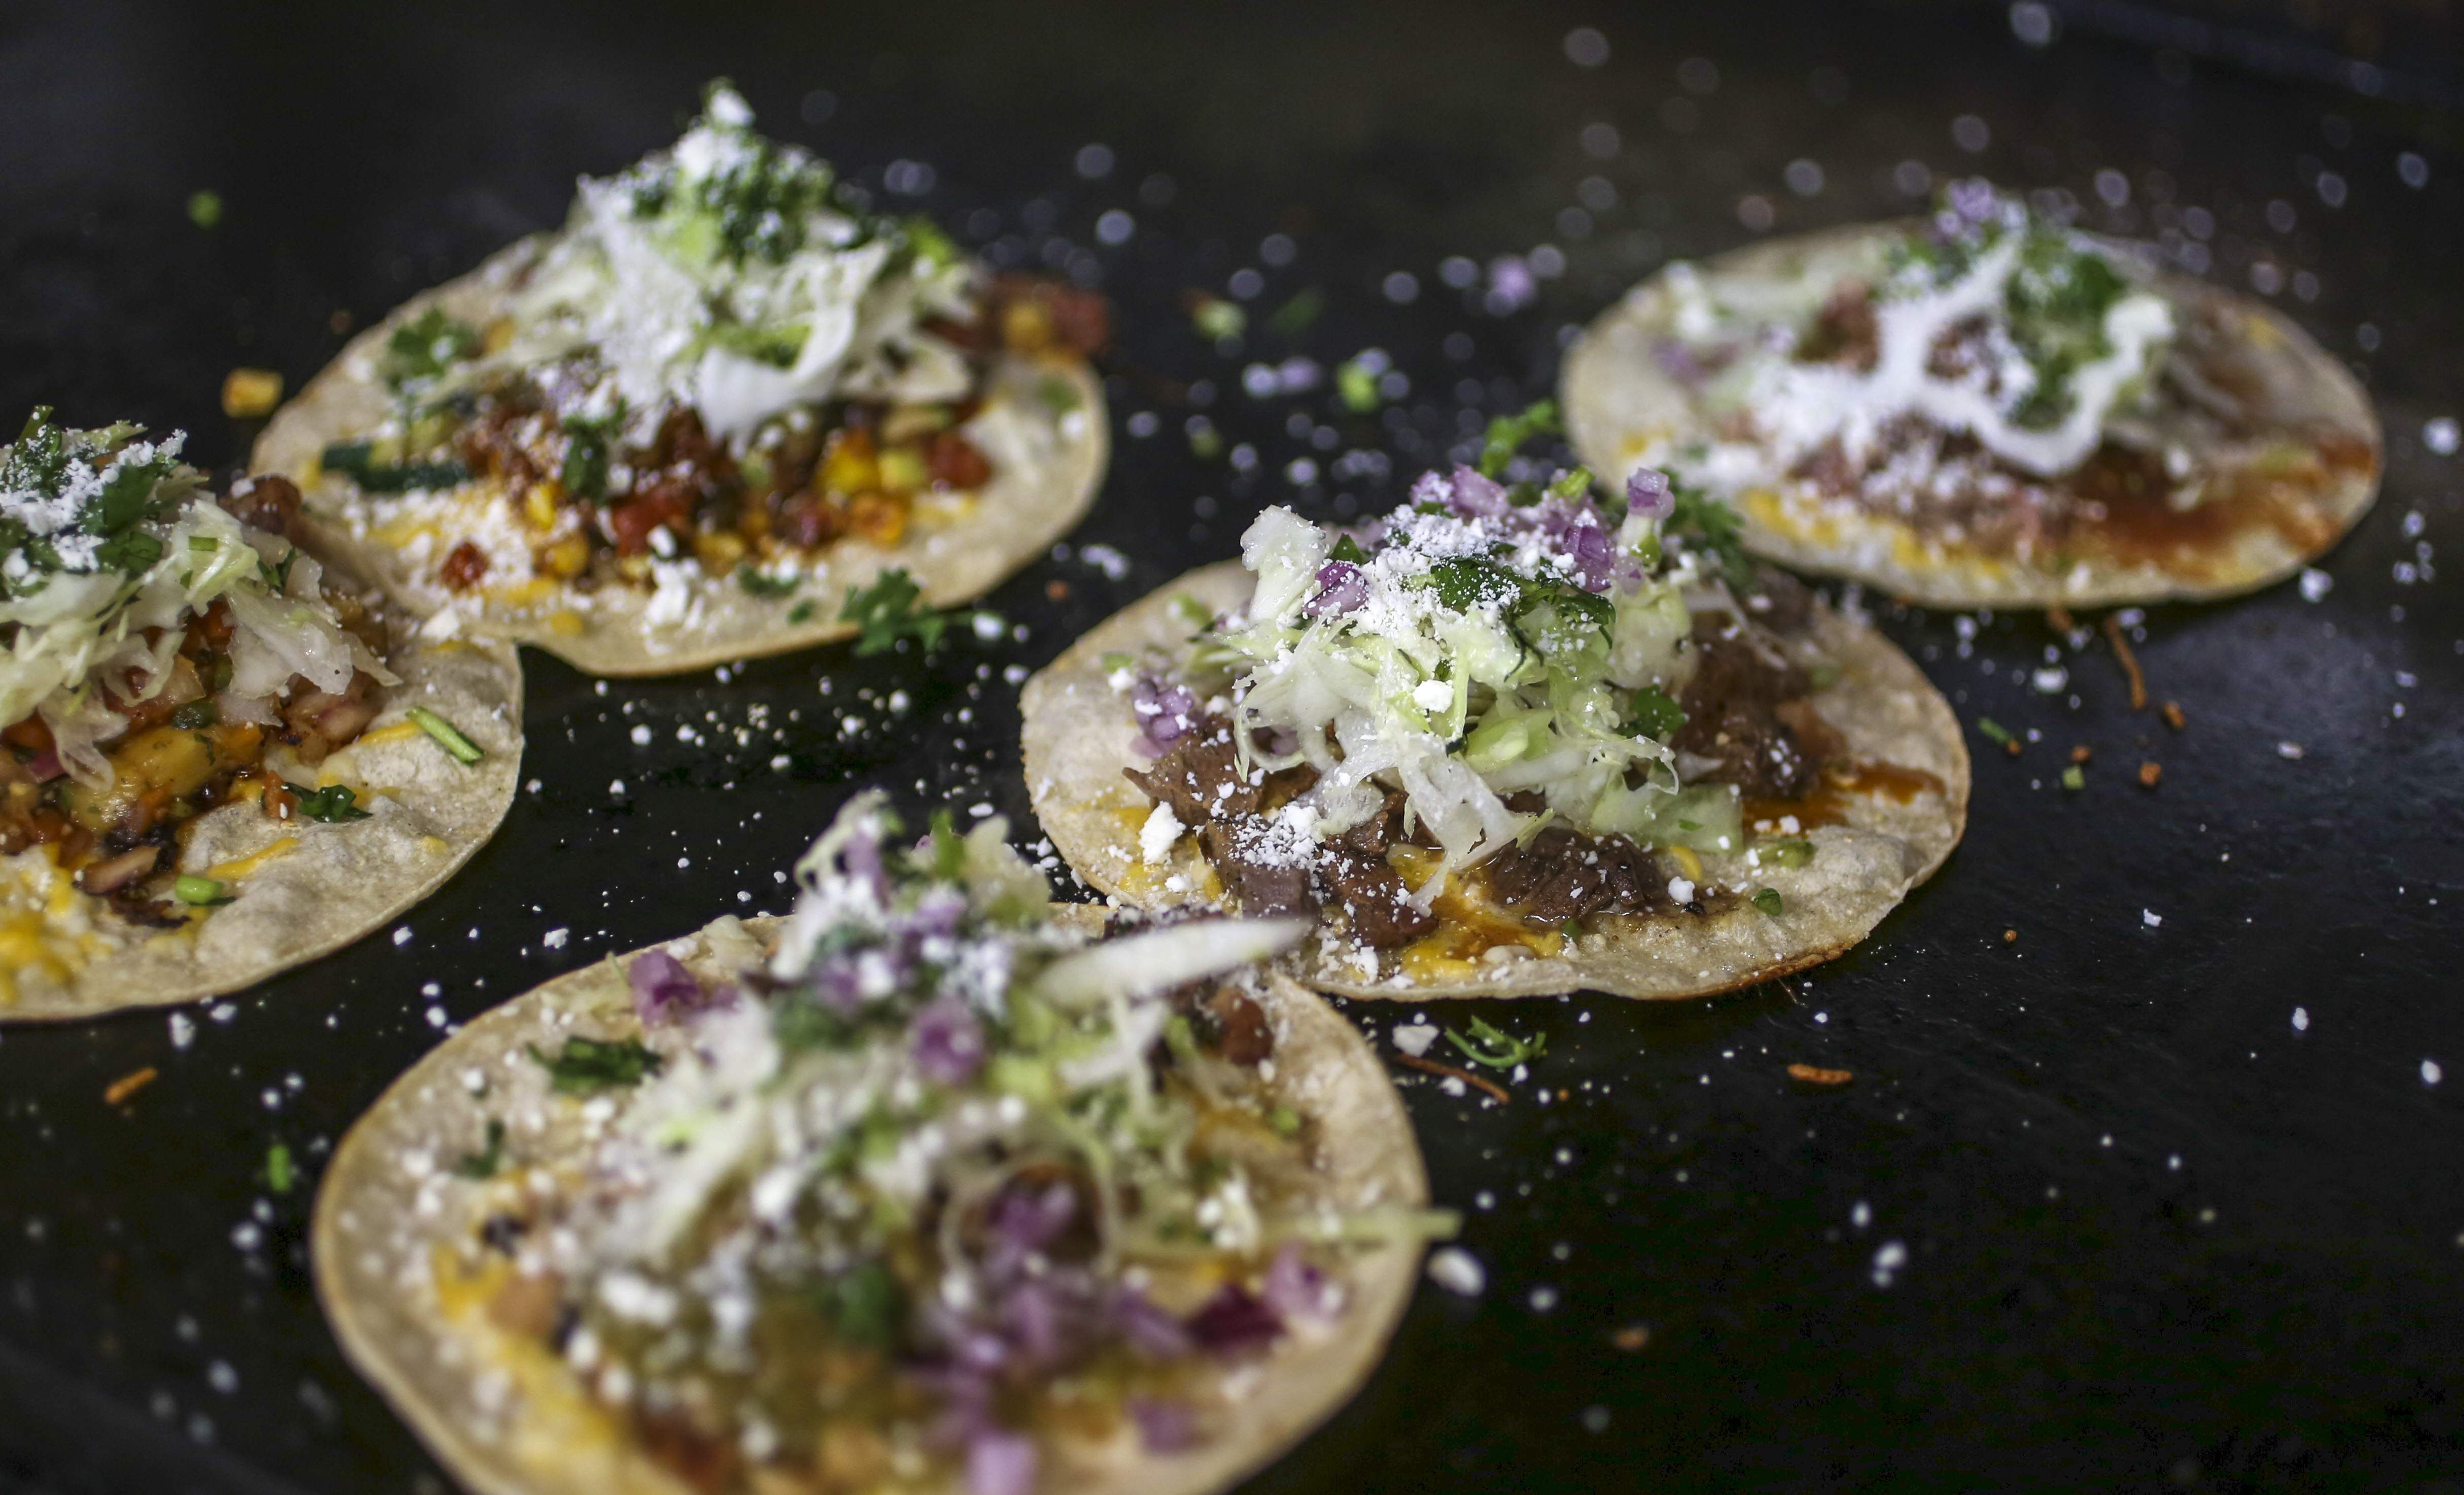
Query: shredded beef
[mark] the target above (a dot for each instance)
(1561, 874)
(1373, 894)
(1733, 713)
(1264, 881)
(1241, 1033)
(1199, 776)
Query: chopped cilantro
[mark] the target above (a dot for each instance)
(761, 584)
(356, 461)
(1508, 433)
(866, 1305)
(1286, 1121)
(887, 611)
(1768, 900)
(1494, 1048)
(583, 472)
(1708, 525)
(485, 1162)
(280, 1173)
(802, 612)
(277, 574)
(1653, 714)
(425, 347)
(197, 715)
(1294, 317)
(586, 1064)
(1346, 548)
(1059, 395)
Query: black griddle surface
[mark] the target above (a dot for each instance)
(2121, 1205)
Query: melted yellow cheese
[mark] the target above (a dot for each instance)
(238, 867)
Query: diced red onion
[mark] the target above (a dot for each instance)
(1647, 494)
(947, 1041)
(1001, 1463)
(1478, 495)
(1296, 1289)
(1233, 1320)
(1164, 1427)
(1594, 558)
(1341, 589)
(1026, 1219)
(1678, 362)
(1148, 1329)
(45, 765)
(663, 989)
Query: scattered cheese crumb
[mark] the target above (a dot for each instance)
(1415, 1038)
(1157, 837)
(1457, 1271)
(2151, 918)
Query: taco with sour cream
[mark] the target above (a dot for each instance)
(1506, 740)
(219, 758)
(929, 1186)
(1984, 408)
(693, 424)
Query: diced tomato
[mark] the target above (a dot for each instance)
(464, 568)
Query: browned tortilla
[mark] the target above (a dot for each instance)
(1079, 730)
(390, 1203)
(2277, 494)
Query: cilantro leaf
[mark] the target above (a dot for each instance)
(761, 584)
(1713, 529)
(424, 347)
(1508, 433)
(333, 804)
(1653, 714)
(487, 1160)
(585, 1064)
(887, 611)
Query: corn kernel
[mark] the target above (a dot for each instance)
(850, 467)
(250, 393)
(878, 518)
(538, 503)
(633, 569)
(719, 550)
(907, 422)
(903, 470)
(497, 336)
(1026, 327)
(568, 557)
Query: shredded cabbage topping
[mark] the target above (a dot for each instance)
(1994, 321)
(1481, 641)
(733, 275)
(106, 538)
(933, 1155)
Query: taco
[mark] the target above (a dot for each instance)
(924, 1187)
(686, 427)
(1984, 408)
(218, 756)
(1506, 740)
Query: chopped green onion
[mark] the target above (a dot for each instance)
(203, 891)
(1059, 395)
(761, 584)
(205, 207)
(1496, 1049)
(1995, 730)
(1286, 1121)
(1205, 443)
(1294, 317)
(203, 545)
(279, 1173)
(1356, 383)
(1787, 853)
(332, 805)
(448, 736)
(1768, 900)
(1822, 676)
(1216, 319)
(2074, 777)
(588, 1063)
(484, 1163)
